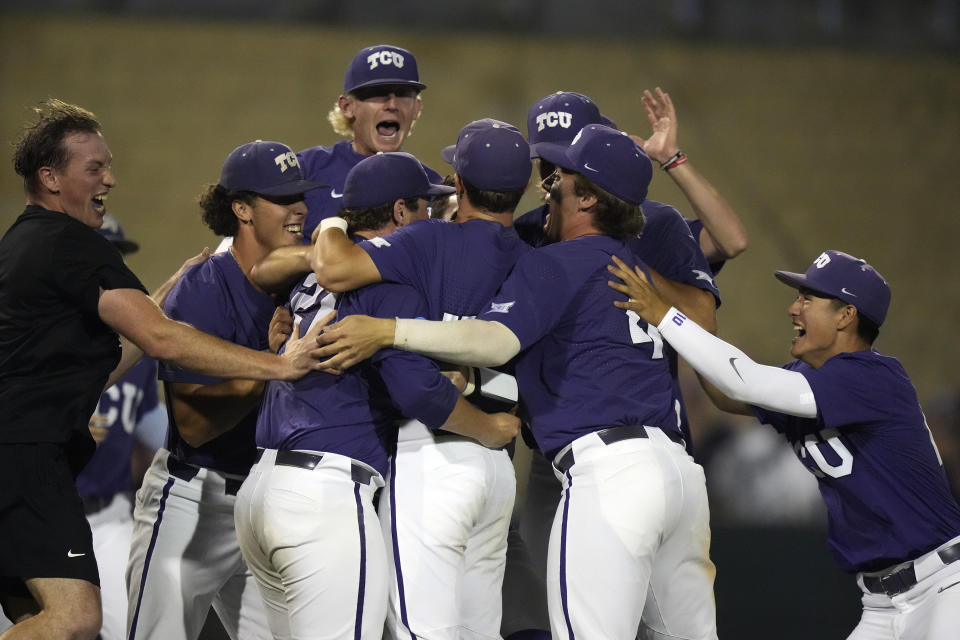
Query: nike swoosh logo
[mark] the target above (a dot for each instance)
(71, 554)
(334, 194)
(844, 291)
(733, 364)
(942, 589)
(589, 168)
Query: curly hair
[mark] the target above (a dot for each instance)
(217, 205)
(41, 144)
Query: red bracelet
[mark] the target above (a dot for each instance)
(678, 159)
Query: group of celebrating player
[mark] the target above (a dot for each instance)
(360, 484)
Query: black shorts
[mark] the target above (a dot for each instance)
(43, 529)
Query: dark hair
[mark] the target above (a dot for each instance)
(42, 143)
(217, 205)
(867, 329)
(611, 215)
(373, 218)
(492, 201)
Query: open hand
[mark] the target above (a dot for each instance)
(642, 297)
(354, 339)
(662, 143)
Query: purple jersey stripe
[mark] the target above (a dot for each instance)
(146, 562)
(358, 626)
(563, 559)
(396, 545)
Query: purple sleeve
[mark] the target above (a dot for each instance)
(408, 254)
(851, 389)
(532, 298)
(197, 300)
(416, 386)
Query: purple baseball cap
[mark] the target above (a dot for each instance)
(266, 168)
(386, 177)
(112, 231)
(840, 275)
(382, 64)
(558, 117)
(608, 158)
(491, 155)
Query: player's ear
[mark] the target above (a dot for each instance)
(418, 108)
(458, 186)
(345, 102)
(49, 179)
(848, 317)
(399, 212)
(242, 211)
(587, 201)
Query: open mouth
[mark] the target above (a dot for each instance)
(388, 128)
(296, 229)
(800, 331)
(98, 201)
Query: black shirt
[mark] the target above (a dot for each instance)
(55, 352)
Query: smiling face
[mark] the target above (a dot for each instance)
(80, 188)
(381, 116)
(277, 221)
(817, 321)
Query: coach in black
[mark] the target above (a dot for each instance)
(65, 294)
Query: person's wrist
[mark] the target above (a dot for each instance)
(335, 221)
(674, 161)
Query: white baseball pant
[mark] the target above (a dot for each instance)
(185, 557)
(312, 539)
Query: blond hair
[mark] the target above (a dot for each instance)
(343, 126)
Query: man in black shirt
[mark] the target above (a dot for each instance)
(65, 294)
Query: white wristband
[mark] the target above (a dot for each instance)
(335, 221)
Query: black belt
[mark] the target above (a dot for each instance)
(187, 472)
(309, 461)
(616, 434)
(898, 581)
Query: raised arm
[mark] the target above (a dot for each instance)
(724, 236)
(723, 365)
(340, 264)
(204, 411)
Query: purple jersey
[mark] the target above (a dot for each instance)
(216, 297)
(879, 472)
(330, 165)
(351, 414)
(122, 407)
(584, 364)
(696, 228)
(456, 267)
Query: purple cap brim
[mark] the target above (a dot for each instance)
(291, 188)
(556, 154)
(382, 81)
(448, 153)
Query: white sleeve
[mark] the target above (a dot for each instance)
(476, 343)
(734, 373)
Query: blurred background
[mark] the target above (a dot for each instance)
(825, 123)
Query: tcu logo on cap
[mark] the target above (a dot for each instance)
(554, 118)
(286, 160)
(385, 58)
(822, 260)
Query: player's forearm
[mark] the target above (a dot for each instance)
(697, 304)
(130, 355)
(203, 412)
(279, 269)
(733, 373)
(726, 232)
(721, 401)
(490, 430)
(340, 264)
(476, 343)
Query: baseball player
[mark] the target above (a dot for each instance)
(448, 503)
(184, 557)
(378, 107)
(305, 516)
(666, 245)
(854, 421)
(631, 534)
